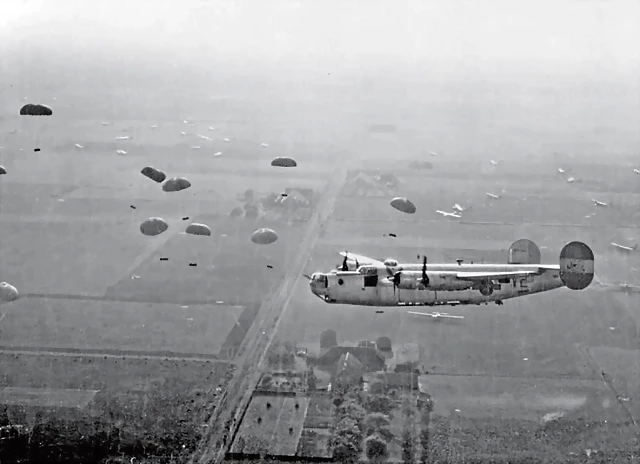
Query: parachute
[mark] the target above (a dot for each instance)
(175, 184)
(198, 229)
(403, 205)
(2, 170)
(153, 226)
(31, 109)
(153, 174)
(8, 293)
(284, 162)
(264, 236)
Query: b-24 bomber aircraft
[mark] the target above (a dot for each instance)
(365, 281)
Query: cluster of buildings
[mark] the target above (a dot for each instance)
(291, 418)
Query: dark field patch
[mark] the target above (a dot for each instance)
(117, 375)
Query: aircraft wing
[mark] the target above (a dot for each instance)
(436, 316)
(492, 275)
(362, 260)
(549, 267)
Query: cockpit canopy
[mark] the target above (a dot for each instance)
(367, 270)
(390, 262)
(319, 279)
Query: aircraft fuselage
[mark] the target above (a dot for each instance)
(369, 286)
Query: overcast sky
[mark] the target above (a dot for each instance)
(592, 33)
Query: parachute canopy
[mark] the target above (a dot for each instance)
(153, 174)
(198, 229)
(404, 205)
(283, 162)
(153, 226)
(264, 236)
(8, 293)
(175, 184)
(31, 109)
(2, 170)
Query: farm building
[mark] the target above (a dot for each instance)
(348, 371)
(370, 359)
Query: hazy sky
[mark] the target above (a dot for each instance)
(592, 33)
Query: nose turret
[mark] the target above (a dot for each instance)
(318, 284)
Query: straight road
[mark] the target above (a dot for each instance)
(263, 330)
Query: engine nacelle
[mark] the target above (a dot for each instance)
(406, 281)
(486, 288)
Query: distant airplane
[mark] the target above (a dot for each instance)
(619, 287)
(460, 208)
(264, 144)
(436, 315)
(637, 171)
(445, 214)
(153, 126)
(624, 247)
(561, 171)
(364, 281)
(491, 195)
(183, 133)
(495, 163)
(599, 203)
(571, 180)
(204, 137)
(226, 139)
(433, 153)
(79, 146)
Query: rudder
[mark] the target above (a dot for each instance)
(576, 265)
(524, 251)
